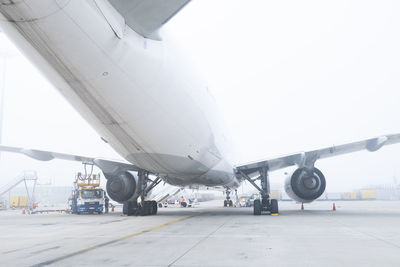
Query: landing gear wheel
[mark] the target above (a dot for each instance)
(257, 207)
(160, 205)
(274, 206)
(147, 208)
(184, 204)
(128, 208)
(225, 203)
(155, 207)
(230, 203)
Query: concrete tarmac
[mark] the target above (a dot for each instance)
(358, 233)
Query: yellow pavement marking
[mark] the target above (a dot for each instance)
(153, 228)
(274, 214)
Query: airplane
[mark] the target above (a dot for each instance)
(117, 66)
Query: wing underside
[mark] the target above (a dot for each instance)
(307, 159)
(146, 17)
(108, 167)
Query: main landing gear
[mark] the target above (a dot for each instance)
(265, 203)
(149, 208)
(144, 185)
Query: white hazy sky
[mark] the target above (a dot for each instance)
(288, 76)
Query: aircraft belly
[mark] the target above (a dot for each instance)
(220, 175)
(125, 88)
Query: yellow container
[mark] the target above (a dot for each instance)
(23, 201)
(14, 201)
(18, 201)
(349, 195)
(368, 194)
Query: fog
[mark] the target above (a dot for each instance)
(288, 76)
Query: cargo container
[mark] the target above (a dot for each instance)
(23, 201)
(14, 201)
(349, 196)
(18, 201)
(368, 194)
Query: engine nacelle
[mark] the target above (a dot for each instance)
(305, 185)
(122, 187)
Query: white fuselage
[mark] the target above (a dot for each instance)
(136, 92)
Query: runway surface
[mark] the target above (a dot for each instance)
(361, 233)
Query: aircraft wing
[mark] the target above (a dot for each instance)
(305, 159)
(146, 17)
(108, 167)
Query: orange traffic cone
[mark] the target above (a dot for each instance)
(334, 207)
(302, 206)
(23, 211)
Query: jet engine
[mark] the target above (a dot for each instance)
(305, 185)
(122, 187)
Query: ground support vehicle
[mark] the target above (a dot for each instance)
(87, 196)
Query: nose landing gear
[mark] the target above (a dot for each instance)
(228, 201)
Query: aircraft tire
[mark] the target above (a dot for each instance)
(225, 203)
(155, 207)
(274, 206)
(128, 209)
(257, 207)
(147, 208)
(230, 203)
